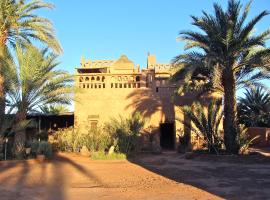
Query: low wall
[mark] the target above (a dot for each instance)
(263, 140)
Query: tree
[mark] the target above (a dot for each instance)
(254, 108)
(227, 54)
(36, 82)
(20, 24)
(207, 122)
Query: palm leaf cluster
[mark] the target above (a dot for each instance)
(36, 82)
(20, 24)
(223, 55)
(254, 108)
(206, 122)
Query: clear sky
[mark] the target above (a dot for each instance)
(105, 29)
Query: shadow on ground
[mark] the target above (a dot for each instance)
(33, 180)
(229, 177)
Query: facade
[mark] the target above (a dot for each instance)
(108, 88)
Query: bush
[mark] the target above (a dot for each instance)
(104, 156)
(126, 133)
(45, 148)
(34, 147)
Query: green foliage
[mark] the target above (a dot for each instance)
(206, 122)
(34, 147)
(20, 23)
(71, 139)
(254, 108)
(126, 132)
(36, 82)
(54, 109)
(244, 140)
(101, 155)
(226, 55)
(45, 148)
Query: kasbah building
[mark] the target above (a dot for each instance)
(109, 88)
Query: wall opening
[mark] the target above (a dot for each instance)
(167, 135)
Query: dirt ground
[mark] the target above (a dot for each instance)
(165, 176)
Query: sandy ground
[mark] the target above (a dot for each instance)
(165, 176)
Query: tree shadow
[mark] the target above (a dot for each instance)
(228, 177)
(29, 179)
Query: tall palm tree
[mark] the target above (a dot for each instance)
(36, 83)
(207, 122)
(19, 23)
(254, 108)
(226, 52)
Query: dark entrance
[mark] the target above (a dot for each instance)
(167, 135)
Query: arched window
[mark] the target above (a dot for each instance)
(87, 78)
(112, 79)
(98, 78)
(92, 78)
(137, 78)
(126, 78)
(119, 78)
(81, 79)
(103, 78)
(131, 78)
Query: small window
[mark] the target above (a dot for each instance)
(137, 78)
(120, 85)
(93, 124)
(81, 79)
(125, 85)
(99, 86)
(138, 85)
(95, 85)
(87, 85)
(116, 85)
(92, 78)
(103, 78)
(98, 79)
(156, 89)
(83, 85)
(111, 85)
(134, 85)
(91, 85)
(103, 85)
(86, 78)
(129, 85)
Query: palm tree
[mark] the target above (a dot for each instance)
(227, 55)
(20, 24)
(207, 122)
(36, 82)
(254, 108)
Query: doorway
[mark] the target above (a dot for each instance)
(167, 135)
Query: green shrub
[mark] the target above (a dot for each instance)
(126, 133)
(45, 148)
(101, 155)
(34, 147)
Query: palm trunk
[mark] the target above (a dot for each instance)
(2, 90)
(230, 111)
(20, 137)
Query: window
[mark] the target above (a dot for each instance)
(119, 78)
(103, 85)
(137, 78)
(134, 85)
(138, 85)
(81, 79)
(83, 85)
(156, 89)
(87, 85)
(103, 78)
(111, 85)
(99, 86)
(93, 124)
(98, 78)
(129, 85)
(116, 85)
(92, 78)
(125, 85)
(120, 85)
(86, 78)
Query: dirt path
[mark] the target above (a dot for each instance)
(165, 176)
(74, 177)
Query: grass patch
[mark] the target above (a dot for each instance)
(104, 156)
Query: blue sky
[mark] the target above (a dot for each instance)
(104, 29)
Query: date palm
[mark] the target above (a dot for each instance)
(254, 108)
(19, 23)
(226, 54)
(35, 83)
